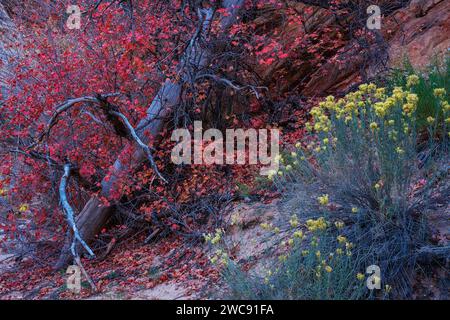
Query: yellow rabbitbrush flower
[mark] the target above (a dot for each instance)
(440, 92)
(293, 221)
(319, 224)
(405, 129)
(339, 224)
(23, 207)
(298, 234)
(349, 107)
(215, 238)
(323, 200)
(348, 119)
(380, 93)
(316, 112)
(408, 109)
(446, 106)
(381, 109)
(372, 87)
(279, 158)
(271, 175)
(308, 127)
(412, 98)
(360, 276)
(398, 94)
(341, 239)
(363, 88)
(412, 80)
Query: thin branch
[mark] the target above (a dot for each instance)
(231, 84)
(65, 107)
(143, 146)
(69, 213)
(86, 275)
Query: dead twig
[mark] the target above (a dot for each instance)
(71, 220)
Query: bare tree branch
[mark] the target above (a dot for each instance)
(70, 215)
(231, 84)
(136, 138)
(66, 106)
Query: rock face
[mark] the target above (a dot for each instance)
(422, 31)
(419, 31)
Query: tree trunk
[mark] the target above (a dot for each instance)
(94, 215)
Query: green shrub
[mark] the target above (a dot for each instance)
(363, 153)
(360, 169)
(437, 76)
(319, 267)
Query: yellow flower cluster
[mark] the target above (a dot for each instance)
(412, 80)
(214, 238)
(219, 256)
(371, 111)
(266, 226)
(298, 234)
(23, 207)
(341, 239)
(235, 219)
(269, 227)
(323, 200)
(293, 221)
(314, 225)
(367, 100)
(324, 263)
(440, 92)
(339, 224)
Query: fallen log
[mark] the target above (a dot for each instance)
(95, 214)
